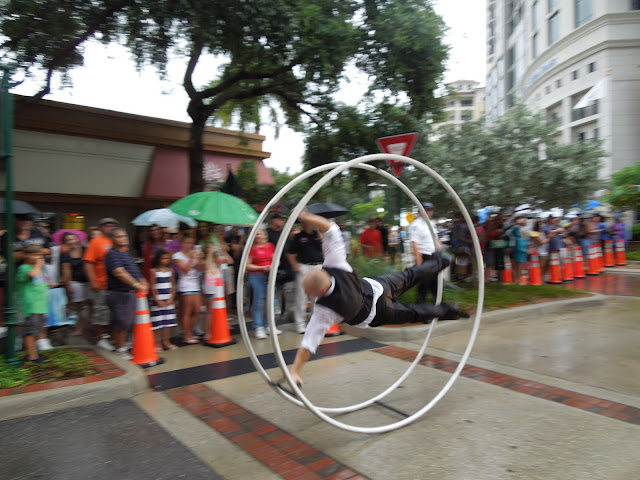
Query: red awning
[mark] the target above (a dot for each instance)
(168, 175)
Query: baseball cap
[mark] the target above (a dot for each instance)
(277, 215)
(105, 220)
(427, 205)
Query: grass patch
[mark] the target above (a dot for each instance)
(496, 295)
(633, 255)
(61, 364)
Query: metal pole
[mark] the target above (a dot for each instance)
(6, 135)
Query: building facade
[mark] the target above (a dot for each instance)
(83, 163)
(464, 102)
(549, 54)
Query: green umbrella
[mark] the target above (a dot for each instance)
(215, 207)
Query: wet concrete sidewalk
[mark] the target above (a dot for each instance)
(549, 396)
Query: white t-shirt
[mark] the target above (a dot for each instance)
(187, 282)
(420, 234)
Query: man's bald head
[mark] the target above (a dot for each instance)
(316, 283)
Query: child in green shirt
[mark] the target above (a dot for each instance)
(33, 298)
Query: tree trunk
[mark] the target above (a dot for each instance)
(196, 151)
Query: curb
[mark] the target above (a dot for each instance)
(132, 383)
(419, 332)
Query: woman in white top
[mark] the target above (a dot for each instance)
(190, 264)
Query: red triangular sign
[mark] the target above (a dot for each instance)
(397, 145)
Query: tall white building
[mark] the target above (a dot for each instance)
(551, 53)
(464, 102)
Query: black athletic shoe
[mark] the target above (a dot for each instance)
(451, 311)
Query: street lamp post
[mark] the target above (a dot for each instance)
(6, 135)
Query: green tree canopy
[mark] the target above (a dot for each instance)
(625, 188)
(516, 160)
(292, 52)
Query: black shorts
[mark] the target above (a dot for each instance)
(123, 309)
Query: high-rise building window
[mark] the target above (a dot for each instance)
(635, 4)
(584, 11)
(466, 103)
(559, 83)
(574, 75)
(591, 67)
(554, 28)
(535, 15)
(553, 4)
(534, 46)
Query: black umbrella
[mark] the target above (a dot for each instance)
(19, 207)
(327, 210)
(232, 185)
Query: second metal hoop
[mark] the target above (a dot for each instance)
(337, 169)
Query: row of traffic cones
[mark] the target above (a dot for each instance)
(218, 335)
(568, 264)
(144, 346)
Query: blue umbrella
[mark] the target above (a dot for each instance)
(163, 217)
(591, 204)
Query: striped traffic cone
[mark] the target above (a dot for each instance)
(144, 346)
(507, 273)
(578, 263)
(567, 265)
(592, 262)
(334, 331)
(535, 276)
(621, 256)
(218, 334)
(609, 261)
(599, 258)
(554, 268)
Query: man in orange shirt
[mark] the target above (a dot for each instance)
(371, 240)
(96, 271)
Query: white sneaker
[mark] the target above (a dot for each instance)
(301, 327)
(43, 344)
(105, 345)
(123, 353)
(268, 331)
(260, 333)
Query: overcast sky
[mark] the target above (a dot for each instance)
(109, 80)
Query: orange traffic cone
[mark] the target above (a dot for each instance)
(599, 258)
(608, 254)
(578, 263)
(218, 334)
(621, 256)
(554, 268)
(592, 262)
(144, 345)
(567, 265)
(535, 277)
(507, 273)
(334, 331)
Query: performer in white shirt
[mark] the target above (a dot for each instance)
(341, 296)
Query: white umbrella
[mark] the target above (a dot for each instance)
(163, 217)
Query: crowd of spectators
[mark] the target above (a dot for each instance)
(100, 277)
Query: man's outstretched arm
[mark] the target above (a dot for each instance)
(301, 358)
(321, 223)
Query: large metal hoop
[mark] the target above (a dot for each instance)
(270, 288)
(336, 170)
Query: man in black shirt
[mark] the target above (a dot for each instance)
(305, 255)
(124, 280)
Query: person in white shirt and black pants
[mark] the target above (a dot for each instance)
(423, 249)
